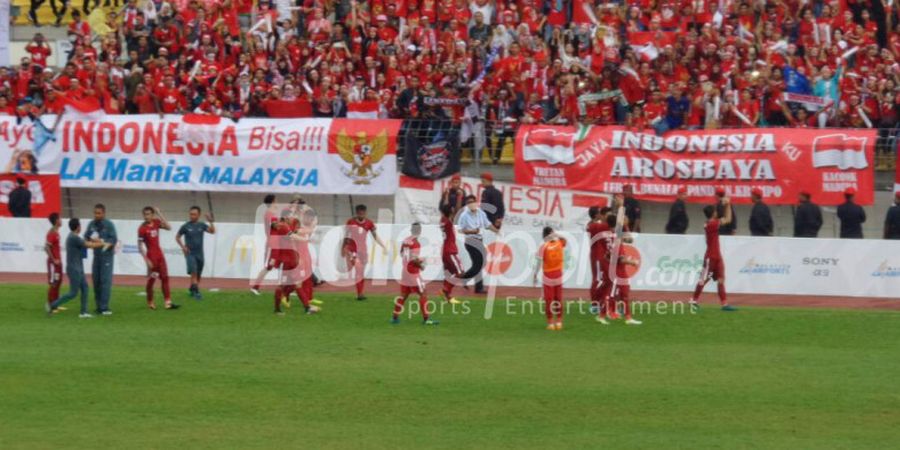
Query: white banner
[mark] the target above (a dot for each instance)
(775, 265)
(527, 207)
(203, 153)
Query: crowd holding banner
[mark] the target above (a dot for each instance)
(780, 162)
(329, 156)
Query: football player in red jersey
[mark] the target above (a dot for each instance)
(54, 261)
(411, 279)
(449, 255)
(598, 231)
(293, 230)
(355, 248)
(148, 244)
(270, 218)
(622, 293)
(713, 265)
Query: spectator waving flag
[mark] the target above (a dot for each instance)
(363, 110)
(795, 82)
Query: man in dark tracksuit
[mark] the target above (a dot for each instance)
(852, 216)
(76, 251)
(678, 218)
(892, 219)
(102, 269)
(807, 217)
(761, 223)
(492, 200)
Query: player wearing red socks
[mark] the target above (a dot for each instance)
(599, 232)
(355, 248)
(411, 280)
(54, 258)
(148, 244)
(550, 258)
(713, 265)
(449, 255)
(270, 219)
(622, 293)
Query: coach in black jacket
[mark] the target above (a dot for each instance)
(761, 223)
(492, 200)
(807, 217)
(892, 219)
(852, 216)
(20, 200)
(678, 218)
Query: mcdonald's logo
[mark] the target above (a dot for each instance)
(244, 248)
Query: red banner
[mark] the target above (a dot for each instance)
(45, 193)
(782, 163)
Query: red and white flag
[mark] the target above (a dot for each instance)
(363, 110)
(838, 150)
(85, 109)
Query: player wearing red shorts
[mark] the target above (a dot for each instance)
(355, 248)
(304, 227)
(605, 289)
(148, 244)
(270, 219)
(449, 255)
(622, 293)
(598, 231)
(411, 280)
(713, 265)
(550, 258)
(54, 259)
(294, 261)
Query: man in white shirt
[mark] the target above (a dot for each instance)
(470, 222)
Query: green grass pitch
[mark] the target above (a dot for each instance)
(227, 373)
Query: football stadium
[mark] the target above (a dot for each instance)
(449, 224)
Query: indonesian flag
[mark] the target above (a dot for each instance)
(552, 146)
(362, 110)
(838, 150)
(647, 43)
(85, 109)
(647, 52)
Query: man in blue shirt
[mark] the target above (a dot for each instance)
(677, 109)
(102, 229)
(192, 246)
(470, 222)
(76, 251)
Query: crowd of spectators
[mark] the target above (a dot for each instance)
(663, 64)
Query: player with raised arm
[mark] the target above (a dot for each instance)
(148, 245)
(550, 261)
(449, 255)
(190, 239)
(411, 279)
(713, 265)
(355, 247)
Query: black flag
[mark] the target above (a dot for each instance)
(431, 153)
